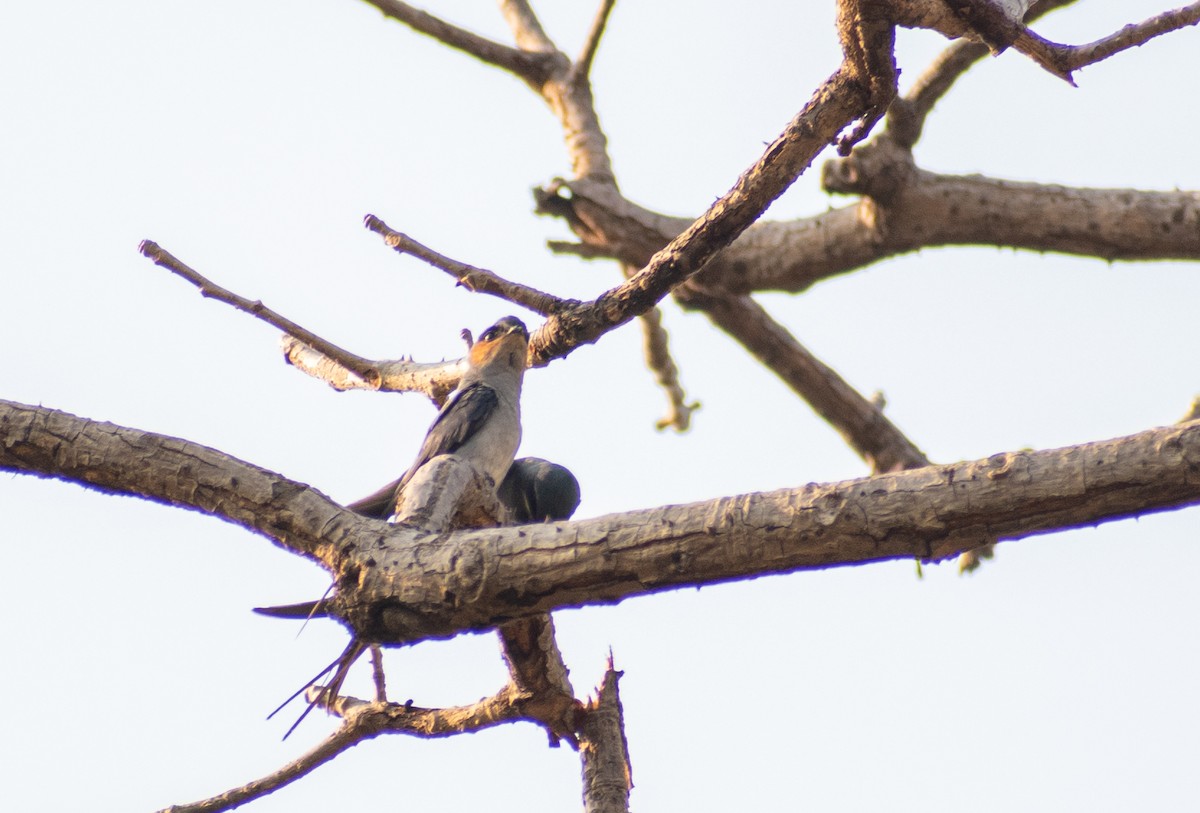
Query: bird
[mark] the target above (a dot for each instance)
(480, 421)
(536, 490)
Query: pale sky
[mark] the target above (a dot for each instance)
(249, 138)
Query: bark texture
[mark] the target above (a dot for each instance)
(398, 585)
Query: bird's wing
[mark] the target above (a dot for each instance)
(459, 419)
(379, 504)
(463, 415)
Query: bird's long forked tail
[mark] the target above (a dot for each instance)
(349, 655)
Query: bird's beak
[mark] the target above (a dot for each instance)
(517, 327)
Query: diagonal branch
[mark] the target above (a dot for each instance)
(907, 115)
(345, 737)
(582, 66)
(528, 65)
(860, 422)
(118, 460)
(526, 28)
(321, 358)
(474, 279)
(364, 369)
(364, 721)
(1069, 58)
(838, 102)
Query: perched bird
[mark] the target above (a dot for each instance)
(534, 490)
(480, 421)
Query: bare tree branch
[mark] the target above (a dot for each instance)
(346, 736)
(363, 721)
(394, 581)
(582, 65)
(839, 101)
(340, 368)
(435, 379)
(528, 65)
(907, 115)
(118, 460)
(525, 26)
(916, 209)
(867, 32)
(859, 421)
(474, 279)
(364, 369)
(607, 775)
(537, 669)
(1069, 58)
(655, 345)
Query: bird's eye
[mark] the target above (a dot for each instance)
(488, 335)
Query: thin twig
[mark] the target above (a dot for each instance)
(349, 734)
(1069, 58)
(474, 279)
(529, 65)
(1134, 35)
(656, 347)
(906, 118)
(377, 673)
(582, 66)
(363, 368)
(364, 721)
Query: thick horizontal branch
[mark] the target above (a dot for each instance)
(410, 585)
(118, 460)
(930, 513)
(926, 209)
(915, 209)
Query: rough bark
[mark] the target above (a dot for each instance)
(398, 585)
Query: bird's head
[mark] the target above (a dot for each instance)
(506, 343)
